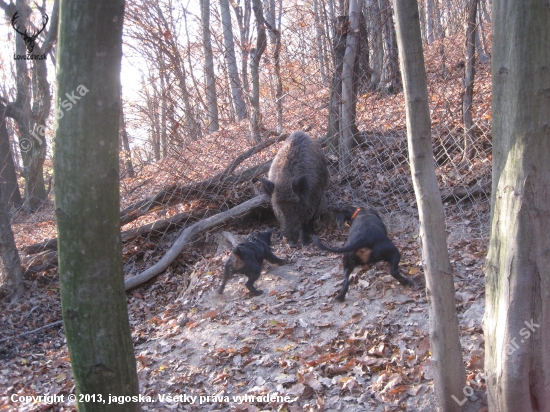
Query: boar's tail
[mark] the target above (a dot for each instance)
(345, 249)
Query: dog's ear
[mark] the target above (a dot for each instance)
(344, 216)
(268, 186)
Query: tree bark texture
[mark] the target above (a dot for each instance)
(333, 133)
(390, 75)
(8, 175)
(517, 308)
(469, 75)
(211, 94)
(449, 372)
(243, 21)
(86, 167)
(231, 61)
(256, 55)
(32, 145)
(13, 278)
(126, 154)
(349, 87)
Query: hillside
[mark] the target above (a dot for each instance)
(370, 353)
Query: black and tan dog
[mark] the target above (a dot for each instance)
(247, 259)
(367, 244)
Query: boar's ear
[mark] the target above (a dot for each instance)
(300, 186)
(268, 186)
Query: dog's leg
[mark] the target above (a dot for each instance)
(253, 274)
(349, 265)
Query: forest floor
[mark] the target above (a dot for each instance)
(293, 348)
(294, 342)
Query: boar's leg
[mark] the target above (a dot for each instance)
(253, 273)
(307, 231)
(349, 265)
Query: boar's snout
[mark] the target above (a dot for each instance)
(291, 233)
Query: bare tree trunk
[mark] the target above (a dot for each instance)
(243, 21)
(171, 50)
(333, 133)
(270, 17)
(126, 154)
(517, 308)
(231, 60)
(391, 80)
(163, 110)
(430, 23)
(276, 32)
(87, 202)
(469, 75)
(374, 25)
(13, 278)
(211, 94)
(8, 175)
(256, 55)
(449, 372)
(440, 33)
(32, 148)
(319, 37)
(481, 47)
(349, 87)
(152, 104)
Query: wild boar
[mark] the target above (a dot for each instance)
(367, 244)
(247, 258)
(296, 184)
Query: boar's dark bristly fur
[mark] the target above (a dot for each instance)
(367, 244)
(247, 259)
(296, 183)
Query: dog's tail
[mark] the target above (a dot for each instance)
(345, 249)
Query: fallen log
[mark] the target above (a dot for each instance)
(38, 260)
(188, 233)
(460, 193)
(176, 194)
(159, 225)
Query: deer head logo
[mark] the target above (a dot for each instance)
(29, 40)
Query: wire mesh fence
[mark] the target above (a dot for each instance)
(183, 173)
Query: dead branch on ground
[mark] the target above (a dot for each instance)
(189, 233)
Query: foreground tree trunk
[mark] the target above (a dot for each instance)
(517, 308)
(449, 372)
(87, 201)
